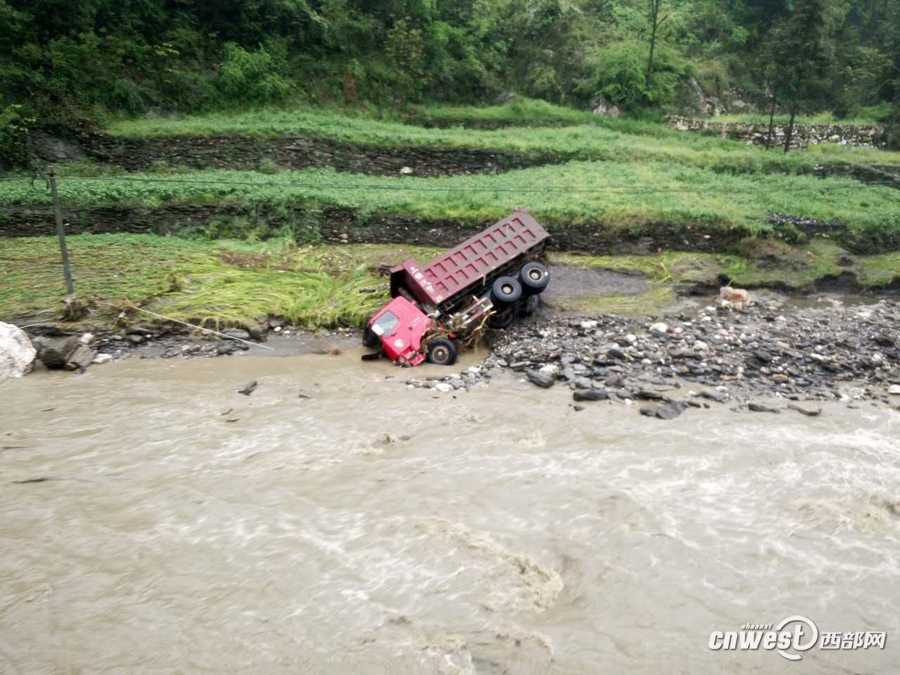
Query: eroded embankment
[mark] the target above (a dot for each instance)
(269, 154)
(344, 225)
(301, 152)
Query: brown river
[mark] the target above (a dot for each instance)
(156, 521)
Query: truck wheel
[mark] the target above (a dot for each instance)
(502, 320)
(530, 306)
(370, 339)
(442, 352)
(505, 291)
(535, 278)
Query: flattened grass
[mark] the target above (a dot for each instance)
(215, 282)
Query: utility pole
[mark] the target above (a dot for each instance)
(60, 230)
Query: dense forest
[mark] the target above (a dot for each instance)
(75, 61)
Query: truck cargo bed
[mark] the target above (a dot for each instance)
(471, 264)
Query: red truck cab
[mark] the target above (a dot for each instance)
(400, 327)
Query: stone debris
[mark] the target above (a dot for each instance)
(839, 353)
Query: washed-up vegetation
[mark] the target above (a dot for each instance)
(213, 283)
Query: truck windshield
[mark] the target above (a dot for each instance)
(387, 322)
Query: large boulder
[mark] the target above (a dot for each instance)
(17, 354)
(603, 107)
(53, 149)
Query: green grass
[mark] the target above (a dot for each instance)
(616, 140)
(636, 196)
(523, 112)
(860, 119)
(214, 282)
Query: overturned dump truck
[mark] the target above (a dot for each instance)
(488, 280)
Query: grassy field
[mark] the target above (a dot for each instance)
(635, 195)
(613, 140)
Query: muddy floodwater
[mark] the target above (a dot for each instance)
(156, 521)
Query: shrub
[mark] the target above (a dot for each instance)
(252, 77)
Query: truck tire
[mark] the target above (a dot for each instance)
(370, 339)
(442, 352)
(530, 306)
(502, 320)
(534, 277)
(505, 291)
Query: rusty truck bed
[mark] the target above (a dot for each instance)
(472, 263)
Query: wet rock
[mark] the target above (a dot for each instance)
(540, 379)
(550, 370)
(55, 352)
(135, 338)
(717, 396)
(762, 356)
(17, 354)
(758, 407)
(804, 411)
(80, 358)
(667, 411)
(226, 348)
(258, 331)
(237, 333)
(248, 388)
(591, 395)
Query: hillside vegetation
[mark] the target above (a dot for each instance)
(65, 64)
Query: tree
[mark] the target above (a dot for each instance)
(655, 23)
(803, 46)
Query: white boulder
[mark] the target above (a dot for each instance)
(17, 354)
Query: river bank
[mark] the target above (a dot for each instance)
(701, 352)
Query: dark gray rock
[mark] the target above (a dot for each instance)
(758, 407)
(591, 395)
(55, 149)
(540, 379)
(55, 352)
(667, 411)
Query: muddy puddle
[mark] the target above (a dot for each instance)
(335, 521)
